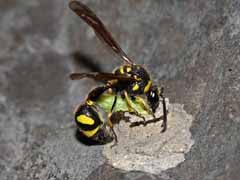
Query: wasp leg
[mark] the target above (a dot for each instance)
(110, 124)
(113, 118)
(114, 103)
(110, 120)
(131, 109)
(118, 116)
(164, 124)
(144, 105)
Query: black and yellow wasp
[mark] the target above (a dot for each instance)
(101, 109)
(130, 83)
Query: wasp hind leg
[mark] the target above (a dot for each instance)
(110, 124)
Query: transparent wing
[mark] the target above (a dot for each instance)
(92, 20)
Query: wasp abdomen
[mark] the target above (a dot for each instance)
(88, 120)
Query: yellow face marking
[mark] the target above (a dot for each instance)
(135, 77)
(91, 132)
(83, 119)
(89, 102)
(121, 70)
(147, 87)
(135, 87)
(128, 69)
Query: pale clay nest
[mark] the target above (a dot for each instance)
(144, 148)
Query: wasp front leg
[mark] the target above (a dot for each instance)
(143, 104)
(131, 108)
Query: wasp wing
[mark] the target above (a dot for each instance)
(92, 20)
(101, 76)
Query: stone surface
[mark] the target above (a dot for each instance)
(191, 47)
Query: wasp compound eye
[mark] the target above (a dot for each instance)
(153, 98)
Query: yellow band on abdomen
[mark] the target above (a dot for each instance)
(91, 132)
(83, 119)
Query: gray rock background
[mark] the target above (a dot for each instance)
(191, 47)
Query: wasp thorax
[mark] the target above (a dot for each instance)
(141, 83)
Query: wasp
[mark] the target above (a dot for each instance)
(96, 116)
(130, 82)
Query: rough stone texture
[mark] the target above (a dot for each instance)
(191, 47)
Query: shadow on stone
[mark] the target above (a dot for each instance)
(83, 60)
(88, 141)
(144, 123)
(84, 140)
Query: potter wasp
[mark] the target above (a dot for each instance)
(128, 86)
